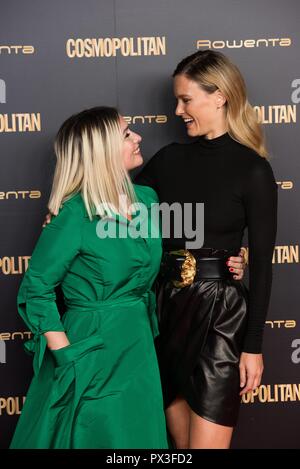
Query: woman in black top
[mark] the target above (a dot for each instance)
(211, 330)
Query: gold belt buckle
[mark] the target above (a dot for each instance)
(188, 268)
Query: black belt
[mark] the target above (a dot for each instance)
(183, 267)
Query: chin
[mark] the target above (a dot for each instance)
(138, 162)
(192, 133)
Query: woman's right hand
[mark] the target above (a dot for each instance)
(47, 219)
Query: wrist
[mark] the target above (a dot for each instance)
(56, 340)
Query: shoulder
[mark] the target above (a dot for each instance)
(72, 211)
(259, 168)
(257, 175)
(251, 161)
(145, 194)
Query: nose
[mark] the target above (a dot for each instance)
(136, 138)
(179, 109)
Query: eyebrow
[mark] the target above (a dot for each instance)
(125, 130)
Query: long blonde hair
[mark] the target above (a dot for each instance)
(88, 148)
(214, 71)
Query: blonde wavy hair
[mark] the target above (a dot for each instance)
(88, 148)
(214, 71)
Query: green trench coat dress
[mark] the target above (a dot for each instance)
(103, 390)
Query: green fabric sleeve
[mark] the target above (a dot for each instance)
(54, 252)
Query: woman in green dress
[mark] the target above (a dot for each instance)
(96, 380)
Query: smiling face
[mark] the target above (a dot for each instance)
(203, 113)
(131, 150)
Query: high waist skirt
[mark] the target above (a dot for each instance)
(202, 328)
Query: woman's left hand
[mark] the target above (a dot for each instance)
(47, 219)
(237, 265)
(251, 370)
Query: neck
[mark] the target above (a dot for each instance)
(218, 132)
(220, 125)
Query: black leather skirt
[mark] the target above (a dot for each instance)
(202, 327)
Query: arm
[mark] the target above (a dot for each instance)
(261, 211)
(57, 247)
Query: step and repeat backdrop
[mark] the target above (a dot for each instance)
(59, 57)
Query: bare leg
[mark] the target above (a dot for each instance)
(208, 435)
(178, 420)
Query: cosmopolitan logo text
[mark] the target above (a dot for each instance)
(18, 122)
(272, 393)
(11, 405)
(113, 46)
(282, 254)
(276, 114)
(23, 122)
(13, 265)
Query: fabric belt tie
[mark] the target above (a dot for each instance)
(38, 344)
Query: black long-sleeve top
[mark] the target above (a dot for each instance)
(238, 190)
